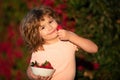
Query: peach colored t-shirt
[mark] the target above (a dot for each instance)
(61, 55)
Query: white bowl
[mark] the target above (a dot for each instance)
(42, 71)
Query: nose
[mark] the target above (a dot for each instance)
(49, 27)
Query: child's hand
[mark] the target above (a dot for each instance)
(37, 77)
(43, 78)
(64, 34)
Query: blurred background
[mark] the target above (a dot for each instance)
(98, 20)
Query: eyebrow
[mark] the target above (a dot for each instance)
(43, 19)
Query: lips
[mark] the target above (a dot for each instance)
(52, 32)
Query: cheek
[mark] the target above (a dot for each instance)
(55, 24)
(43, 34)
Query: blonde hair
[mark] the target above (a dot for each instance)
(30, 24)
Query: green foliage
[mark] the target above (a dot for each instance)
(97, 20)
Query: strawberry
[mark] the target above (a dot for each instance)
(47, 65)
(59, 27)
(35, 64)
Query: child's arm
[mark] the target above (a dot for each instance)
(86, 44)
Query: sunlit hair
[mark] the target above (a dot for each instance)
(30, 24)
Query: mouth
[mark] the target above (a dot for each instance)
(52, 32)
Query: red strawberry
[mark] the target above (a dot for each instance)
(44, 65)
(34, 64)
(59, 27)
(41, 66)
(47, 65)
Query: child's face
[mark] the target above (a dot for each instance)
(48, 29)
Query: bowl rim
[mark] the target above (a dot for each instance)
(42, 68)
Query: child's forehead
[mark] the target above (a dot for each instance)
(46, 17)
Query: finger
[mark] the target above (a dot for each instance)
(49, 78)
(60, 36)
(54, 71)
(60, 33)
(43, 78)
(38, 77)
(34, 77)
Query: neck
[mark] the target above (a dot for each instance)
(51, 41)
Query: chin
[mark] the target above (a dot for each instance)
(52, 37)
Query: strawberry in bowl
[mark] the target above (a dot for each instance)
(45, 69)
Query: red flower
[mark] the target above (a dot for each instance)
(18, 54)
(80, 68)
(5, 69)
(48, 2)
(19, 75)
(59, 9)
(64, 19)
(19, 41)
(96, 66)
(11, 32)
(6, 47)
(31, 3)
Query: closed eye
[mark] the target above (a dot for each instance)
(42, 27)
(51, 21)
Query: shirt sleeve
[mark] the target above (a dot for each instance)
(74, 46)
